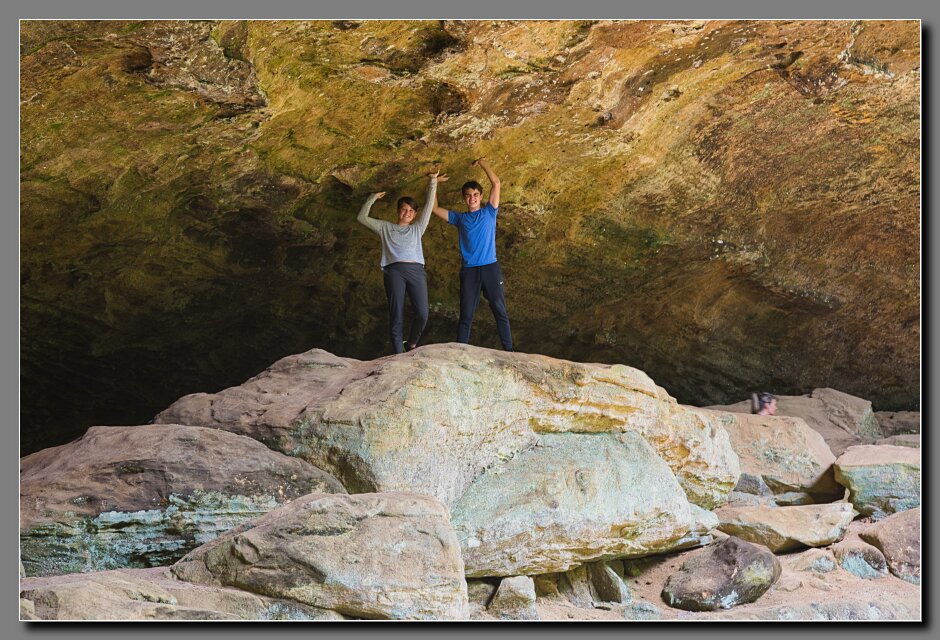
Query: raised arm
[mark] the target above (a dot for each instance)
(363, 217)
(425, 216)
(437, 210)
(494, 181)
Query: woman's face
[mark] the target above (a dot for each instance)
(772, 407)
(406, 214)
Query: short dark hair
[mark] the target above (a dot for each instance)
(473, 184)
(406, 200)
(761, 399)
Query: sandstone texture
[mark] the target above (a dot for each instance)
(782, 455)
(586, 585)
(787, 528)
(570, 500)
(895, 423)
(722, 204)
(841, 419)
(143, 496)
(726, 574)
(385, 556)
(153, 594)
(544, 463)
(902, 440)
(881, 479)
(898, 538)
(515, 599)
(433, 419)
(860, 558)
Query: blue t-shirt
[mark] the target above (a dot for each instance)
(476, 234)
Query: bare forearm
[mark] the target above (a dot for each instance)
(494, 182)
(490, 174)
(438, 210)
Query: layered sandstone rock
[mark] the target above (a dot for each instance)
(153, 594)
(544, 463)
(881, 479)
(433, 419)
(386, 556)
(782, 454)
(788, 528)
(571, 500)
(143, 496)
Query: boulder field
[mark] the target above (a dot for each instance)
(456, 482)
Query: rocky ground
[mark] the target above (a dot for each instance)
(726, 205)
(455, 482)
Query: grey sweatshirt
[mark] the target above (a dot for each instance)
(400, 243)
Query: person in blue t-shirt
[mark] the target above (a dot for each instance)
(476, 236)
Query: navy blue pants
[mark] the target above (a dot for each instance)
(489, 280)
(401, 278)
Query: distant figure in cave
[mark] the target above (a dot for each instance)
(763, 403)
(403, 262)
(476, 236)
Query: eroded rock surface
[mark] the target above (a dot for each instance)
(788, 528)
(386, 556)
(154, 594)
(568, 500)
(781, 455)
(433, 419)
(143, 496)
(881, 479)
(515, 599)
(898, 538)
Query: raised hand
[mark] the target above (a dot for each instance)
(476, 163)
(442, 177)
(379, 194)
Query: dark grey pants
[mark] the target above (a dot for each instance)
(402, 277)
(489, 280)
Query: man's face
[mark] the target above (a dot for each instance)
(406, 214)
(472, 197)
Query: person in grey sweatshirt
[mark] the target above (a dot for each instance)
(403, 261)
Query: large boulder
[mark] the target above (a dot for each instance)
(569, 500)
(143, 496)
(841, 419)
(153, 594)
(782, 454)
(898, 538)
(881, 479)
(385, 556)
(725, 574)
(787, 528)
(432, 420)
